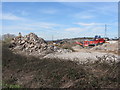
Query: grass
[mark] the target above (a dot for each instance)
(31, 72)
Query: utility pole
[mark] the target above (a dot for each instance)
(105, 30)
(52, 37)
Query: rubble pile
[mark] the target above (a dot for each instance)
(109, 58)
(107, 47)
(34, 45)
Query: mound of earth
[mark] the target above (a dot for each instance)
(107, 47)
(77, 47)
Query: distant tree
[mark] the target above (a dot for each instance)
(7, 37)
(0, 37)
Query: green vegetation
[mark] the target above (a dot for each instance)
(31, 72)
(10, 86)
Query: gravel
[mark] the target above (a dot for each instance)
(82, 56)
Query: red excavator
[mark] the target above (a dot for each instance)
(90, 43)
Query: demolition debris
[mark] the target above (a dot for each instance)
(33, 45)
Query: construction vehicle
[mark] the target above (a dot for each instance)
(90, 43)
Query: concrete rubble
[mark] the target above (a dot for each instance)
(85, 56)
(34, 45)
(107, 47)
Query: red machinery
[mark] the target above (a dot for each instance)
(96, 41)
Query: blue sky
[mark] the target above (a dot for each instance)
(60, 19)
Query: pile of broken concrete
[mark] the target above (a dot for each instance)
(110, 46)
(33, 45)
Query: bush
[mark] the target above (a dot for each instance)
(7, 38)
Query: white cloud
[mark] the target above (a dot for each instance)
(89, 24)
(31, 27)
(88, 27)
(9, 16)
(96, 11)
(24, 13)
(98, 29)
(17, 27)
(85, 31)
(43, 25)
(48, 11)
(86, 17)
(83, 15)
(74, 29)
(42, 29)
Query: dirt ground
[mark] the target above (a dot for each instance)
(29, 72)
